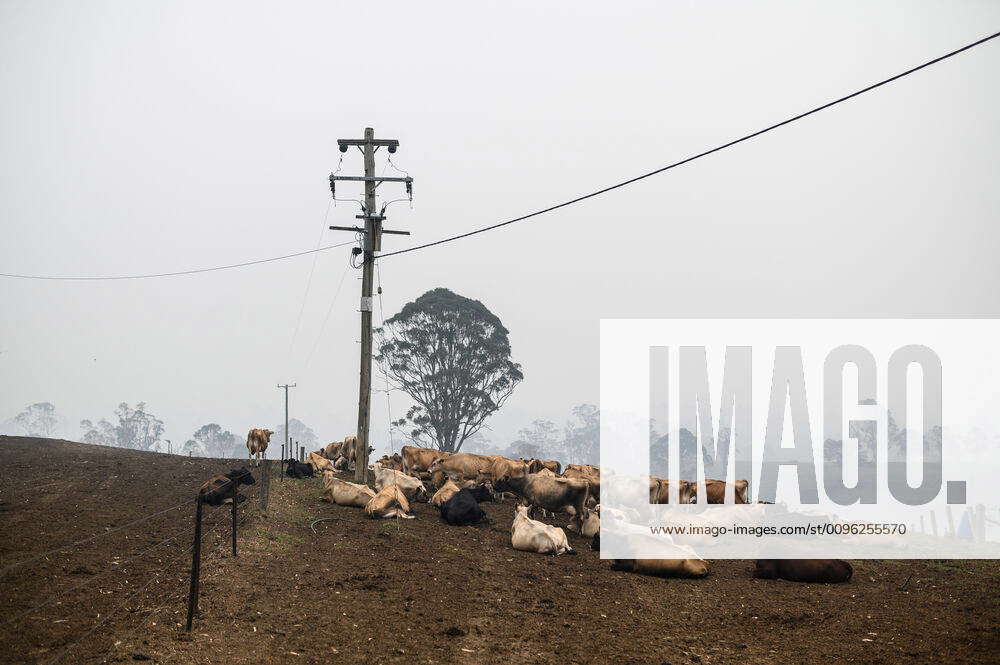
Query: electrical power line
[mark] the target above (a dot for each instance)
(550, 208)
(179, 272)
(694, 157)
(322, 328)
(305, 296)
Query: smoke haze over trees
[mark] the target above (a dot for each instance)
(299, 433)
(38, 419)
(213, 441)
(135, 428)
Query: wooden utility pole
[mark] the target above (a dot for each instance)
(371, 243)
(288, 444)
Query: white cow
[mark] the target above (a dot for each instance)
(529, 535)
(413, 488)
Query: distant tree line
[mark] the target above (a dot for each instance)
(577, 442)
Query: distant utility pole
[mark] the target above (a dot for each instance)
(372, 233)
(286, 387)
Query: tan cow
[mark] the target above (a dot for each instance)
(413, 488)
(659, 491)
(663, 567)
(318, 462)
(416, 460)
(388, 503)
(344, 493)
(589, 473)
(448, 490)
(504, 468)
(536, 465)
(257, 440)
(395, 462)
(528, 535)
(346, 449)
(591, 525)
(553, 494)
(463, 466)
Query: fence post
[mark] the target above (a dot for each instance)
(236, 487)
(265, 483)
(281, 470)
(195, 564)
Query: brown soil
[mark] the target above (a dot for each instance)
(415, 591)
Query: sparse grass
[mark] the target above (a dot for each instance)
(948, 565)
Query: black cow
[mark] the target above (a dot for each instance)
(825, 571)
(297, 469)
(482, 492)
(218, 488)
(462, 509)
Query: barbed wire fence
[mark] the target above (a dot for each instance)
(120, 570)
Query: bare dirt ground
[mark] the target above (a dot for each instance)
(415, 591)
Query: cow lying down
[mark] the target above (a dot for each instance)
(389, 502)
(450, 488)
(297, 469)
(219, 488)
(824, 571)
(663, 567)
(344, 493)
(318, 462)
(529, 535)
(413, 488)
(462, 508)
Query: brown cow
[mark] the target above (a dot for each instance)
(504, 468)
(554, 494)
(463, 466)
(395, 462)
(824, 571)
(388, 503)
(346, 449)
(715, 491)
(257, 440)
(220, 488)
(663, 567)
(417, 459)
(536, 465)
(659, 491)
(589, 473)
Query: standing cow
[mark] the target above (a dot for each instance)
(257, 440)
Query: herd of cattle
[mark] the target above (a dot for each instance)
(456, 483)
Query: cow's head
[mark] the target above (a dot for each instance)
(742, 489)
(687, 492)
(482, 491)
(242, 476)
(434, 467)
(267, 434)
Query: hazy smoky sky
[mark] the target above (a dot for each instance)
(148, 137)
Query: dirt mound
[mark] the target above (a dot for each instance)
(418, 591)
